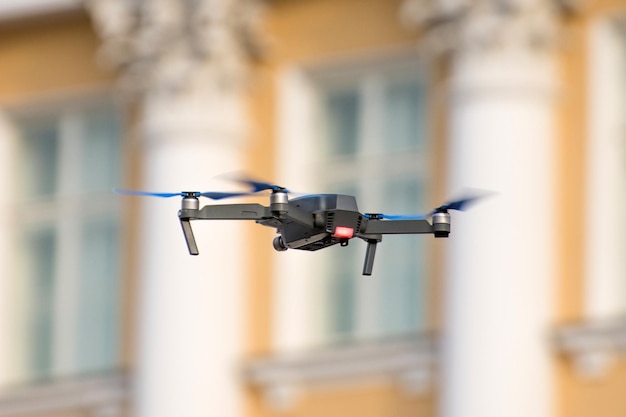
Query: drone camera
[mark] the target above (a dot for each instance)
(441, 224)
(279, 244)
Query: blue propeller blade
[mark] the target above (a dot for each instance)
(460, 204)
(209, 194)
(260, 185)
(146, 193)
(219, 196)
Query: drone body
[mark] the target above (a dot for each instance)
(335, 220)
(314, 222)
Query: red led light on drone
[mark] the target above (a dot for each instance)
(343, 232)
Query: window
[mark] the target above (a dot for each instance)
(66, 312)
(359, 130)
(374, 128)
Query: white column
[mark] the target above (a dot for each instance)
(294, 303)
(8, 190)
(500, 263)
(190, 307)
(186, 63)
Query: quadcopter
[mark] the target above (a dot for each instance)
(309, 222)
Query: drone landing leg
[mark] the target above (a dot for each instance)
(191, 241)
(369, 257)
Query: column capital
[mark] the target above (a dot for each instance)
(480, 25)
(169, 45)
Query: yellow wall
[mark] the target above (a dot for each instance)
(308, 31)
(52, 59)
(579, 395)
(603, 396)
(48, 56)
(570, 177)
(34, 59)
(571, 147)
(375, 400)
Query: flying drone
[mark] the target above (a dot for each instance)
(309, 222)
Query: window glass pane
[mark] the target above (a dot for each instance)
(342, 110)
(342, 280)
(40, 266)
(99, 299)
(40, 159)
(404, 115)
(401, 294)
(401, 265)
(72, 260)
(342, 292)
(391, 301)
(101, 147)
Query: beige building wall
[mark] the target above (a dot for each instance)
(310, 31)
(34, 57)
(579, 393)
(49, 55)
(49, 60)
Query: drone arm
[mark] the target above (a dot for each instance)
(282, 209)
(373, 230)
(396, 227)
(218, 212)
(227, 212)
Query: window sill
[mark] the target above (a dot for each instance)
(592, 346)
(17, 10)
(98, 395)
(408, 362)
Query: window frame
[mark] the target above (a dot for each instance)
(298, 287)
(68, 210)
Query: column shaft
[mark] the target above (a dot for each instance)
(190, 306)
(500, 262)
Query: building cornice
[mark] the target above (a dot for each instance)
(592, 346)
(15, 10)
(410, 363)
(98, 395)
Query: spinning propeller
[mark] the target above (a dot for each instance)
(460, 205)
(257, 186)
(262, 186)
(213, 195)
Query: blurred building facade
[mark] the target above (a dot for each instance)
(402, 103)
